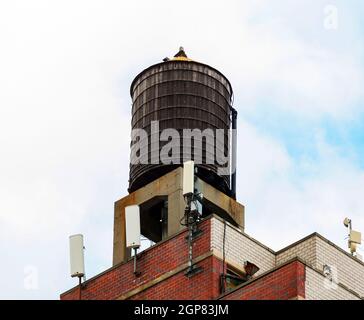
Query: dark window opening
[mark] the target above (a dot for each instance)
(154, 219)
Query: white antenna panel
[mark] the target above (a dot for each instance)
(77, 256)
(132, 223)
(355, 236)
(188, 178)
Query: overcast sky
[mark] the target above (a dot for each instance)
(65, 71)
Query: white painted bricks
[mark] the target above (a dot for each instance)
(315, 290)
(239, 247)
(315, 251)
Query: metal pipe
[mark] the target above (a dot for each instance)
(79, 288)
(223, 275)
(189, 222)
(234, 116)
(135, 260)
(190, 253)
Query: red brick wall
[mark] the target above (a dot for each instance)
(152, 263)
(284, 283)
(180, 287)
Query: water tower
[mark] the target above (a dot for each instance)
(192, 100)
(181, 94)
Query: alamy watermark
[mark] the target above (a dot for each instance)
(30, 278)
(171, 146)
(331, 17)
(331, 277)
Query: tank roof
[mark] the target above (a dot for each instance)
(180, 56)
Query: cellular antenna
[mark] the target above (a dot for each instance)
(188, 179)
(77, 260)
(132, 222)
(354, 238)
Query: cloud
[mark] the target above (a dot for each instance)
(287, 201)
(287, 57)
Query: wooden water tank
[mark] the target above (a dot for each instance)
(180, 94)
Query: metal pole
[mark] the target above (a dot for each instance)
(135, 258)
(79, 288)
(223, 260)
(190, 234)
(234, 116)
(191, 219)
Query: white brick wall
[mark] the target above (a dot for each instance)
(239, 247)
(305, 250)
(314, 251)
(349, 271)
(317, 252)
(317, 290)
